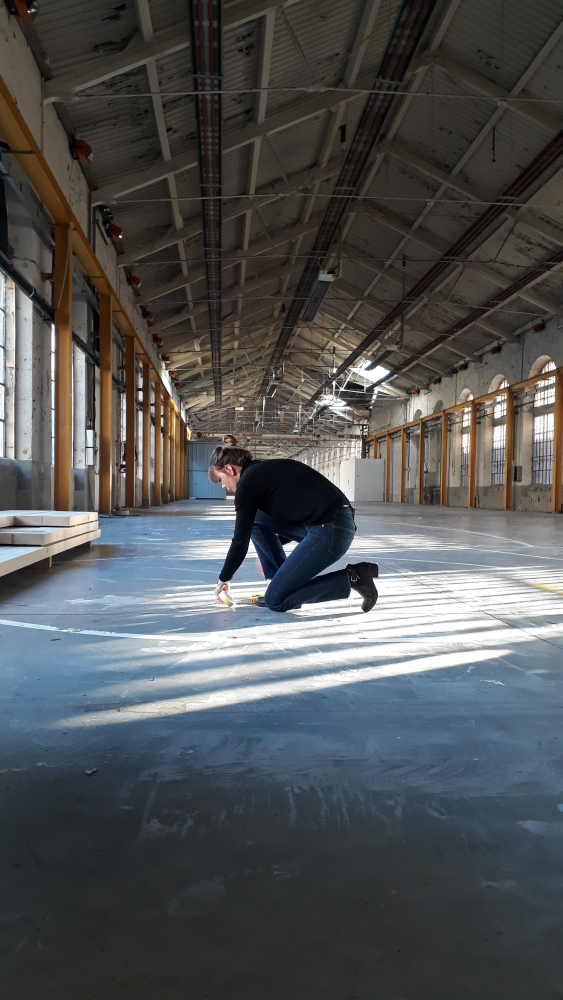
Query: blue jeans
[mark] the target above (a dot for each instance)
(294, 579)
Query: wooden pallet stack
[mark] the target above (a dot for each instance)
(33, 537)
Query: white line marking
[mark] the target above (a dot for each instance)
(87, 631)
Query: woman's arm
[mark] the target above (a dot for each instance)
(245, 514)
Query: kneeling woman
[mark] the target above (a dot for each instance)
(281, 497)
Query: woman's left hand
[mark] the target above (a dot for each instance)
(221, 586)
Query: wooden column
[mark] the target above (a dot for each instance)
(146, 501)
(172, 453)
(157, 496)
(130, 420)
(444, 462)
(166, 451)
(182, 460)
(509, 451)
(388, 468)
(472, 456)
(403, 460)
(421, 450)
(178, 438)
(106, 407)
(557, 445)
(62, 291)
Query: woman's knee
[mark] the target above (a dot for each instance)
(273, 602)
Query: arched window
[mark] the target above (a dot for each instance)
(539, 365)
(465, 397)
(542, 440)
(499, 434)
(499, 382)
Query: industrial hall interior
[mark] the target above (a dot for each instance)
(281, 404)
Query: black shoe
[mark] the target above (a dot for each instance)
(259, 602)
(361, 576)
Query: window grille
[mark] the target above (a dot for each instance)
(498, 455)
(542, 449)
(542, 439)
(2, 366)
(499, 438)
(465, 443)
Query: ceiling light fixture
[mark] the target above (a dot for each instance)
(320, 289)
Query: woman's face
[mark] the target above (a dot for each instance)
(229, 476)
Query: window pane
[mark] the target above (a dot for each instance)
(498, 454)
(542, 449)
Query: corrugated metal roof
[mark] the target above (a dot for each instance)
(313, 40)
(74, 32)
(500, 40)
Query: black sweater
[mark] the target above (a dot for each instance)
(287, 491)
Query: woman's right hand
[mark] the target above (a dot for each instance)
(221, 586)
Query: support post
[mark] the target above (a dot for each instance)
(403, 460)
(509, 450)
(557, 445)
(157, 497)
(166, 451)
(106, 396)
(182, 460)
(172, 453)
(444, 462)
(421, 455)
(388, 469)
(472, 456)
(130, 420)
(146, 494)
(62, 292)
(178, 439)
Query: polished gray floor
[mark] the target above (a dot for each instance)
(323, 805)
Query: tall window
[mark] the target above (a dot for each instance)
(2, 366)
(542, 440)
(499, 438)
(465, 443)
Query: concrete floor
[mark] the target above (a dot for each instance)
(323, 805)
